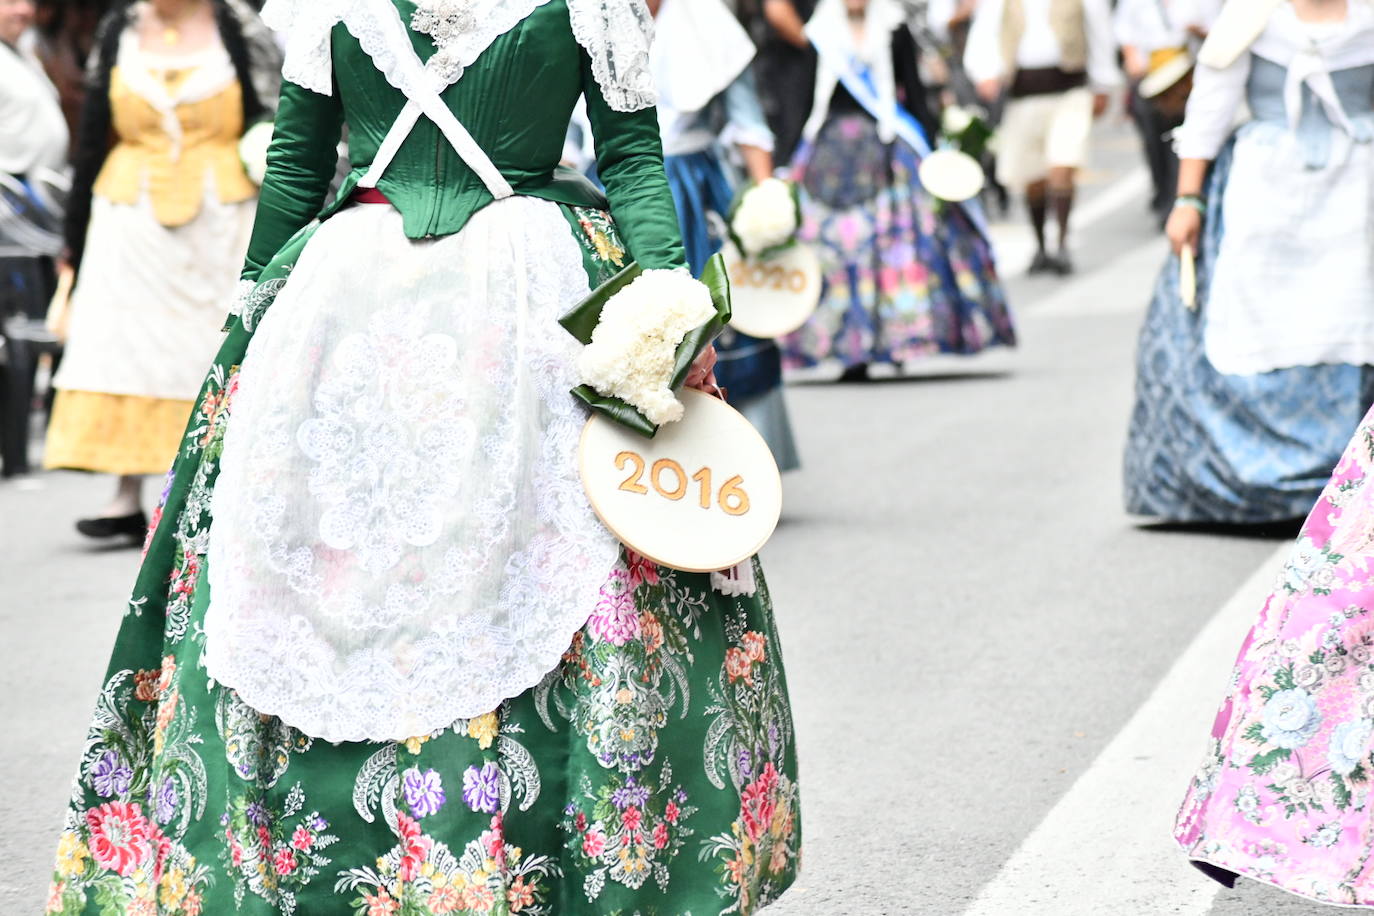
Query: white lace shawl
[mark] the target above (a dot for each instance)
(616, 35)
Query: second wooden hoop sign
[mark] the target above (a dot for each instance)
(702, 495)
(773, 298)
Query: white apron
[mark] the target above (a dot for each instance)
(1294, 278)
(400, 537)
(148, 306)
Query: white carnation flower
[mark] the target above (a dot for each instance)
(634, 345)
(766, 216)
(955, 120)
(253, 150)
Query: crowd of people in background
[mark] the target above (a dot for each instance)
(128, 205)
(141, 107)
(157, 225)
(844, 97)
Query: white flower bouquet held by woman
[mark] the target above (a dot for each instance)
(953, 171)
(766, 218)
(965, 129)
(634, 346)
(955, 119)
(253, 150)
(643, 330)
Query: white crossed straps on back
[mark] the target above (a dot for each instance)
(423, 99)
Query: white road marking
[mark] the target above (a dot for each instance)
(1101, 291)
(1107, 846)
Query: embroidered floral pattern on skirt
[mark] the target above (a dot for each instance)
(654, 770)
(1283, 794)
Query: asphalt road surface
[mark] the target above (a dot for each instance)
(1001, 682)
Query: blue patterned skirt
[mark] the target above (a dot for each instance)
(904, 276)
(1233, 449)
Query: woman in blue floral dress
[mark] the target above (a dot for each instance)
(905, 276)
(381, 657)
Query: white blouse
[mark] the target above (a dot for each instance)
(1039, 47)
(1310, 52)
(1152, 25)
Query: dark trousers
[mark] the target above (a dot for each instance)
(1159, 151)
(26, 285)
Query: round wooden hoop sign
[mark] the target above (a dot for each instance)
(951, 175)
(702, 495)
(773, 298)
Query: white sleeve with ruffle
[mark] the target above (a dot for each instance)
(745, 123)
(1216, 98)
(304, 26)
(617, 34)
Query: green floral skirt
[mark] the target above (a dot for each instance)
(653, 772)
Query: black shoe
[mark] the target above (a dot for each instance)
(1062, 264)
(855, 373)
(132, 526)
(1042, 263)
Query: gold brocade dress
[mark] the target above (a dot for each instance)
(170, 220)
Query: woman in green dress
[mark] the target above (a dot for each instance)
(381, 658)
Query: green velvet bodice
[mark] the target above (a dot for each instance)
(516, 100)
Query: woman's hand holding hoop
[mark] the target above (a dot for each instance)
(702, 375)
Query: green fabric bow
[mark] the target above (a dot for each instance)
(973, 139)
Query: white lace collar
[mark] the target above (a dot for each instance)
(616, 35)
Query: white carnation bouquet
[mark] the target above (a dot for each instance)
(643, 329)
(634, 347)
(966, 130)
(253, 150)
(955, 119)
(953, 172)
(766, 218)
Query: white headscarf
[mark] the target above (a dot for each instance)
(828, 29)
(700, 49)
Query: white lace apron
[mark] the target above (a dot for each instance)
(400, 538)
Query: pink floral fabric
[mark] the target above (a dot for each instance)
(1284, 792)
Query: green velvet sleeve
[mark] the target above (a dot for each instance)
(301, 161)
(629, 161)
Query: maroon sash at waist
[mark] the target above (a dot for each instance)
(368, 196)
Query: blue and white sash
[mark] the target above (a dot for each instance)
(857, 79)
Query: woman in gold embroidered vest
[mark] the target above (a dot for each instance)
(159, 221)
